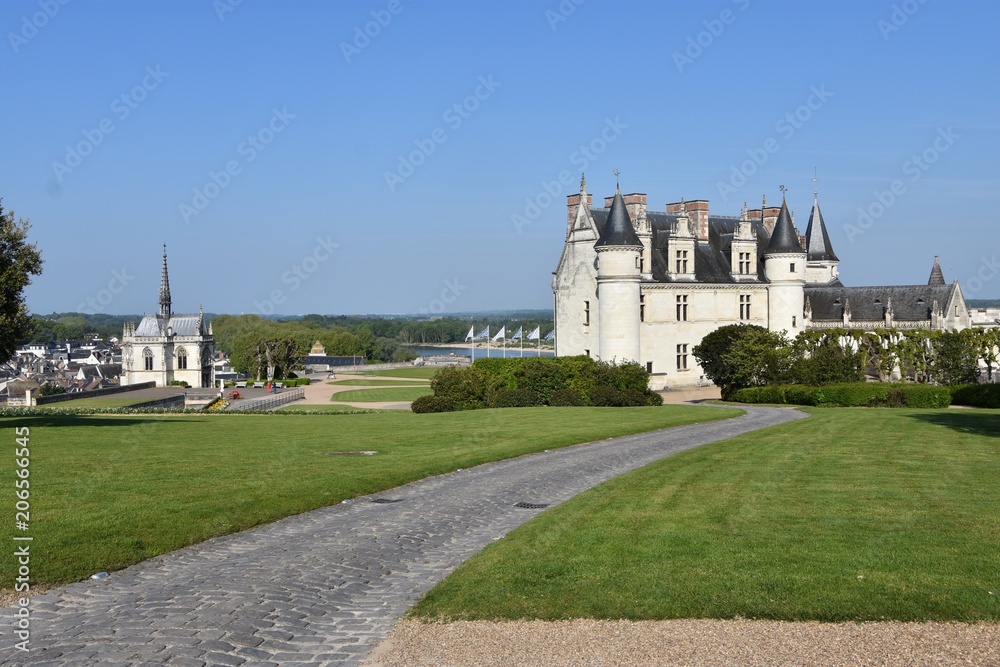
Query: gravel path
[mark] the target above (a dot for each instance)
(724, 643)
(322, 588)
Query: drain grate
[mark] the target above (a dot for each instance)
(386, 501)
(531, 506)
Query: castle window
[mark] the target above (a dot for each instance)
(682, 261)
(791, 267)
(638, 263)
(586, 313)
(744, 262)
(147, 359)
(682, 357)
(642, 307)
(744, 306)
(182, 359)
(649, 366)
(794, 320)
(682, 307)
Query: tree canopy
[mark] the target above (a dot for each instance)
(19, 260)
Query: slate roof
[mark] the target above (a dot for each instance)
(183, 325)
(712, 258)
(618, 230)
(818, 246)
(910, 303)
(784, 238)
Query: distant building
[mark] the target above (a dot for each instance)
(165, 347)
(647, 286)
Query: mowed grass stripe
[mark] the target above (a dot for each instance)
(850, 515)
(380, 383)
(384, 394)
(109, 491)
(415, 372)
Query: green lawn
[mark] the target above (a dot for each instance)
(414, 372)
(332, 409)
(378, 383)
(383, 394)
(860, 514)
(111, 490)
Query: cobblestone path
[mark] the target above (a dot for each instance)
(322, 588)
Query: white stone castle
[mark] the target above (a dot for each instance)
(646, 286)
(165, 347)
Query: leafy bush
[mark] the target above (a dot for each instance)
(426, 404)
(976, 395)
(515, 398)
(561, 381)
(743, 355)
(849, 395)
(570, 396)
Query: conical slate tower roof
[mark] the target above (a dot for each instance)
(818, 247)
(164, 287)
(937, 275)
(618, 231)
(784, 238)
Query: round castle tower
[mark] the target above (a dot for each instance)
(785, 269)
(618, 274)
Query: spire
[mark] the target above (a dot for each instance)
(937, 275)
(745, 213)
(818, 244)
(784, 238)
(164, 287)
(618, 231)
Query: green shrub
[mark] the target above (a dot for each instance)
(426, 404)
(848, 395)
(925, 396)
(976, 395)
(570, 396)
(604, 396)
(515, 398)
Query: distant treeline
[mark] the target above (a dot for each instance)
(377, 338)
(983, 303)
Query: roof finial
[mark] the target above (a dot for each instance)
(583, 183)
(815, 187)
(744, 214)
(164, 287)
(763, 204)
(783, 190)
(617, 187)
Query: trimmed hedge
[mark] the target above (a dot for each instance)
(849, 395)
(976, 395)
(520, 382)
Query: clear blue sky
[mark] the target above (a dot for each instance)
(117, 112)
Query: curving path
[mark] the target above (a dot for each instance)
(322, 588)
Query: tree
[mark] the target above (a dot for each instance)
(743, 355)
(824, 361)
(18, 261)
(955, 359)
